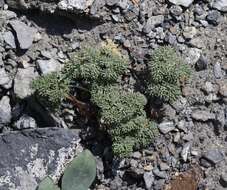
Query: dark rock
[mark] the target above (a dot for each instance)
(213, 17)
(205, 163)
(148, 178)
(24, 34)
(214, 156)
(223, 179)
(29, 156)
(201, 64)
(2, 2)
(159, 184)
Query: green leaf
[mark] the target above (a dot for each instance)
(47, 184)
(80, 173)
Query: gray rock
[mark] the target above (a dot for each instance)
(185, 3)
(221, 5)
(5, 79)
(136, 155)
(29, 156)
(24, 33)
(223, 88)
(192, 55)
(2, 2)
(176, 10)
(5, 111)
(48, 66)
(25, 122)
(163, 166)
(75, 5)
(9, 39)
(111, 2)
(189, 32)
(185, 151)
(148, 178)
(166, 127)
(223, 179)
(214, 156)
(22, 82)
(7, 15)
(96, 7)
(218, 71)
(160, 174)
(202, 63)
(152, 22)
(202, 115)
(213, 17)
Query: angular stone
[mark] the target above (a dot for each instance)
(9, 39)
(5, 80)
(75, 5)
(214, 156)
(29, 156)
(189, 32)
(48, 66)
(185, 3)
(152, 22)
(148, 178)
(202, 115)
(5, 112)
(22, 82)
(166, 127)
(24, 33)
(223, 88)
(221, 5)
(25, 122)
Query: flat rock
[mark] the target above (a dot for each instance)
(5, 111)
(29, 156)
(221, 5)
(22, 82)
(202, 115)
(214, 156)
(48, 66)
(9, 39)
(166, 127)
(24, 33)
(184, 3)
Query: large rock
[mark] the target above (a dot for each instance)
(69, 8)
(48, 66)
(221, 5)
(22, 82)
(28, 156)
(185, 3)
(24, 33)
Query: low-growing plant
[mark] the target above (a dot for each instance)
(123, 114)
(120, 111)
(166, 72)
(78, 175)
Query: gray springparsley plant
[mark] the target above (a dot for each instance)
(166, 71)
(121, 111)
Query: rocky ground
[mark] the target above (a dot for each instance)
(39, 36)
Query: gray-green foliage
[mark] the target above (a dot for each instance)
(166, 70)
(123, 113)
(47, 184)
(100, 65)
(80, 173)
(51, 88)
(120, 110)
